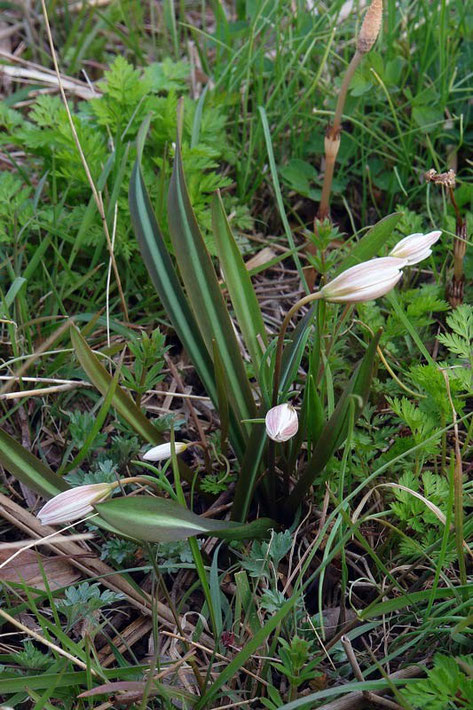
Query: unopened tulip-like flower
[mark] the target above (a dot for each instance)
(365, 281)
(415, 247)
(281, 422)
(163, 451)
(74, 504)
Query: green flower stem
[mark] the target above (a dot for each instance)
(280, 344)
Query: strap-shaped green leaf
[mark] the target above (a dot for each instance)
(223, 407)
(122, 401)
(163, 275)
(164, 520)
(203, 290)
(165, 280)
(28, 469)
(238, 283)
(334, 431)
(371, 243)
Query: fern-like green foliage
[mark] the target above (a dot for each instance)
(15, 205)
(449, 684)
(107, 126)
(459, 343)
(421, 424)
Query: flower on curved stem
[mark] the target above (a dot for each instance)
(75, 503)
(365, 281)
(163, 451)
(416, 247)
(78, 502)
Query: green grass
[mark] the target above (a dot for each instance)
(256, 622)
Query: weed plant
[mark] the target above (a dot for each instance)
(363, 583)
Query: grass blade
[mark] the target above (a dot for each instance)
(122, 401)
(28, 469)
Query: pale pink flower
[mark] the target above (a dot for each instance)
(365, 281)
(74, 504)
(281, 422)
(163, 451)
(416, 247)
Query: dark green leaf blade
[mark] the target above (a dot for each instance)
(371, 243)
(238, 283)
(28, 469)
(164, 520)
(122, 401)
(164, 278)
(203, 290)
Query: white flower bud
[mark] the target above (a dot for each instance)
(163, 451)
(365, 281)
(415, 247)
(281, 422)
(74, 504)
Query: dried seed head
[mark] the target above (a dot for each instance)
(447, 179)
(371, 26)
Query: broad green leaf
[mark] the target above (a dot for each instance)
(371, 243)
(28, 469)
(164, 520)
(171, 293)
(238, 283)
(122, 401)
(203, 290)
(334, 431)
(164, 278)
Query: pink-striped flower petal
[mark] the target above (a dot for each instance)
(281, 422)
(416, 247)
(74, 504)
(365, 281)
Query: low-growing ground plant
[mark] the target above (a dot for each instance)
(235, 390)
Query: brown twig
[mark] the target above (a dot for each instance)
(368, 695)
(356, 700)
